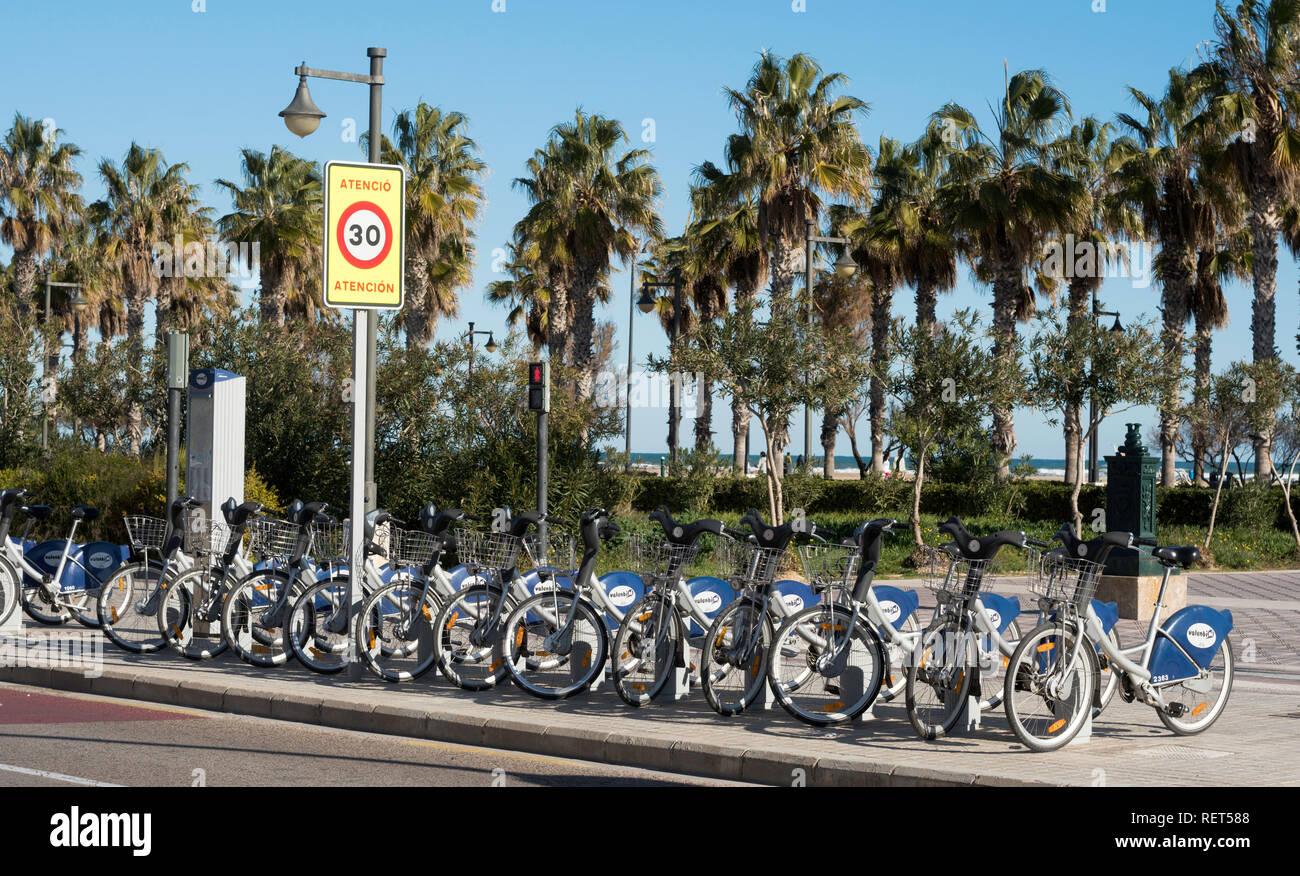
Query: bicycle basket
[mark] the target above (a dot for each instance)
(746, 564)
(487, 551)
(146, 533)
(829, 565)
(409, 547)
(1061, 578)
(272, 538)
(211, 541)
(552, 552)
(660, 562)
(955, 575)
(329, 542)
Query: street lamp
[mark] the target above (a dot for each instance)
(845, 267)
(302, 117)
(78, 305)
(645, 304)
(490, 346)
(1117, 328)
(631, 317)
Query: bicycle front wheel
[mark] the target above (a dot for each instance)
(939, 680)
(555, 645)
(1049, 686)
(395, 631)
(821, 671)
(1201, 700)
(733, 665)
(467, 646)
(319, 631)
(646, 649)
(11, 586)
(253, 615)
(189, 614)
(127, 607)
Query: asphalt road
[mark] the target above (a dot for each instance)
(58, 739)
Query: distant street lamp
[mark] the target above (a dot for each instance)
(78, 305)
(490, 346)
(645, 304)
(1093, 420)
(631, 315)
(845, 267)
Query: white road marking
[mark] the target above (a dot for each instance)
(58, 777)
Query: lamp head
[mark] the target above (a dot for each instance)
(645, 303)
(491, 345)
(302, 116)
(845, 266)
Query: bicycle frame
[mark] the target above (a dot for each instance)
(51, 584)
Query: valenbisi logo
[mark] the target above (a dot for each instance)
(707, 601)
(77, 829)
(1201, 636)
(792, 602)
(622, 595)
(890, 611)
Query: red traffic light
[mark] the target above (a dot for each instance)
(536, 374)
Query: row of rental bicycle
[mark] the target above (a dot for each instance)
(704, 606)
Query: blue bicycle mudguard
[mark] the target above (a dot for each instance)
(45, 556)
(896, 604)
(102, 560)
(1002, 610)
(795, 594)
(710, 595)
(623, 589)
(1107, 613)
(1197, 628)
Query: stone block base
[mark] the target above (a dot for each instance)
(1136, 595)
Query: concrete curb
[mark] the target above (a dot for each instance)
(646, 751)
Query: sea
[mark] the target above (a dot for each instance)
(1045, 466)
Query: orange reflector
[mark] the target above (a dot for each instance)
(495, 664)
(425, 610)
(1045, 647)
(261, 649)
(831, 707)
(519, 637)
(315, 653)
(451, 621)
(114, 612)
(372, 640)
(1201, 708)
(642, 618)
(721, 633)
(176, 630)
(638, 687)
(1056, 726)
(754, 669)
(586, 660)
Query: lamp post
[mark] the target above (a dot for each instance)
(1093, 472)
(490, 346)
(631, 318)
(52, 359)
(645, 304)
(845, 266)
(302, 117)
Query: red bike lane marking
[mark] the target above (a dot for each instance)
(20, 707)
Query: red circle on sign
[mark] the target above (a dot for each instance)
(388, 235)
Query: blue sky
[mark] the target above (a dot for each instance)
(201, 85)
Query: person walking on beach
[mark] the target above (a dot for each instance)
(761, 468)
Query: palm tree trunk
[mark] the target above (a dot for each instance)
(830, 428)
(417, 301)
(1177, 294)
(1201, 398)
(558, 338)
(1006, 291)
(24, 279)
(739, 434)
(1265, 222)
(1080, 293)
(927, 301)
(786, 260)
(881, 306)
(135, 368)
(704, 416)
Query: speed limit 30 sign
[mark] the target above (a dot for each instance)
(364, 218)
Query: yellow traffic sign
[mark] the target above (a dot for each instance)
(364, 220)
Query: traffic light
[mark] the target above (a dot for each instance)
(539, 387)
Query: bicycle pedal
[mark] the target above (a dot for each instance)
(1176, 710)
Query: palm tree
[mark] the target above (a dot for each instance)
(797, 142)
(443, 201)
(38, 198)
(728, 223)
(527, 289)
(1155, 173)
(1254, 67)
(278, 208)
(146, 202)
(590, 201)
(1004, 195)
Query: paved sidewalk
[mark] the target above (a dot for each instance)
(1254, 743)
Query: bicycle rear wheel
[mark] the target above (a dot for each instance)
(395, 630)
(1049, 686)
(809, 687)
(10, 588)
(555, 645)
(252, 616)
(127, 607)
(646, 649)
(468, 646)
(318, 630)
(733, 664)
(938, 680)
(1202, 700)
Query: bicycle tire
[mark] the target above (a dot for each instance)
(395, 620)
(478, 663)
(11, 585)
(632, 655)
(1107, 677)
(1196, 704)
(935, 697)
(991, 679)
(806, 692)
(720, 662)
(319, 627)
(178, 613)
(127, 606)
(532, 628)
(892, 686)
(1046, 703)
(243, 608)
